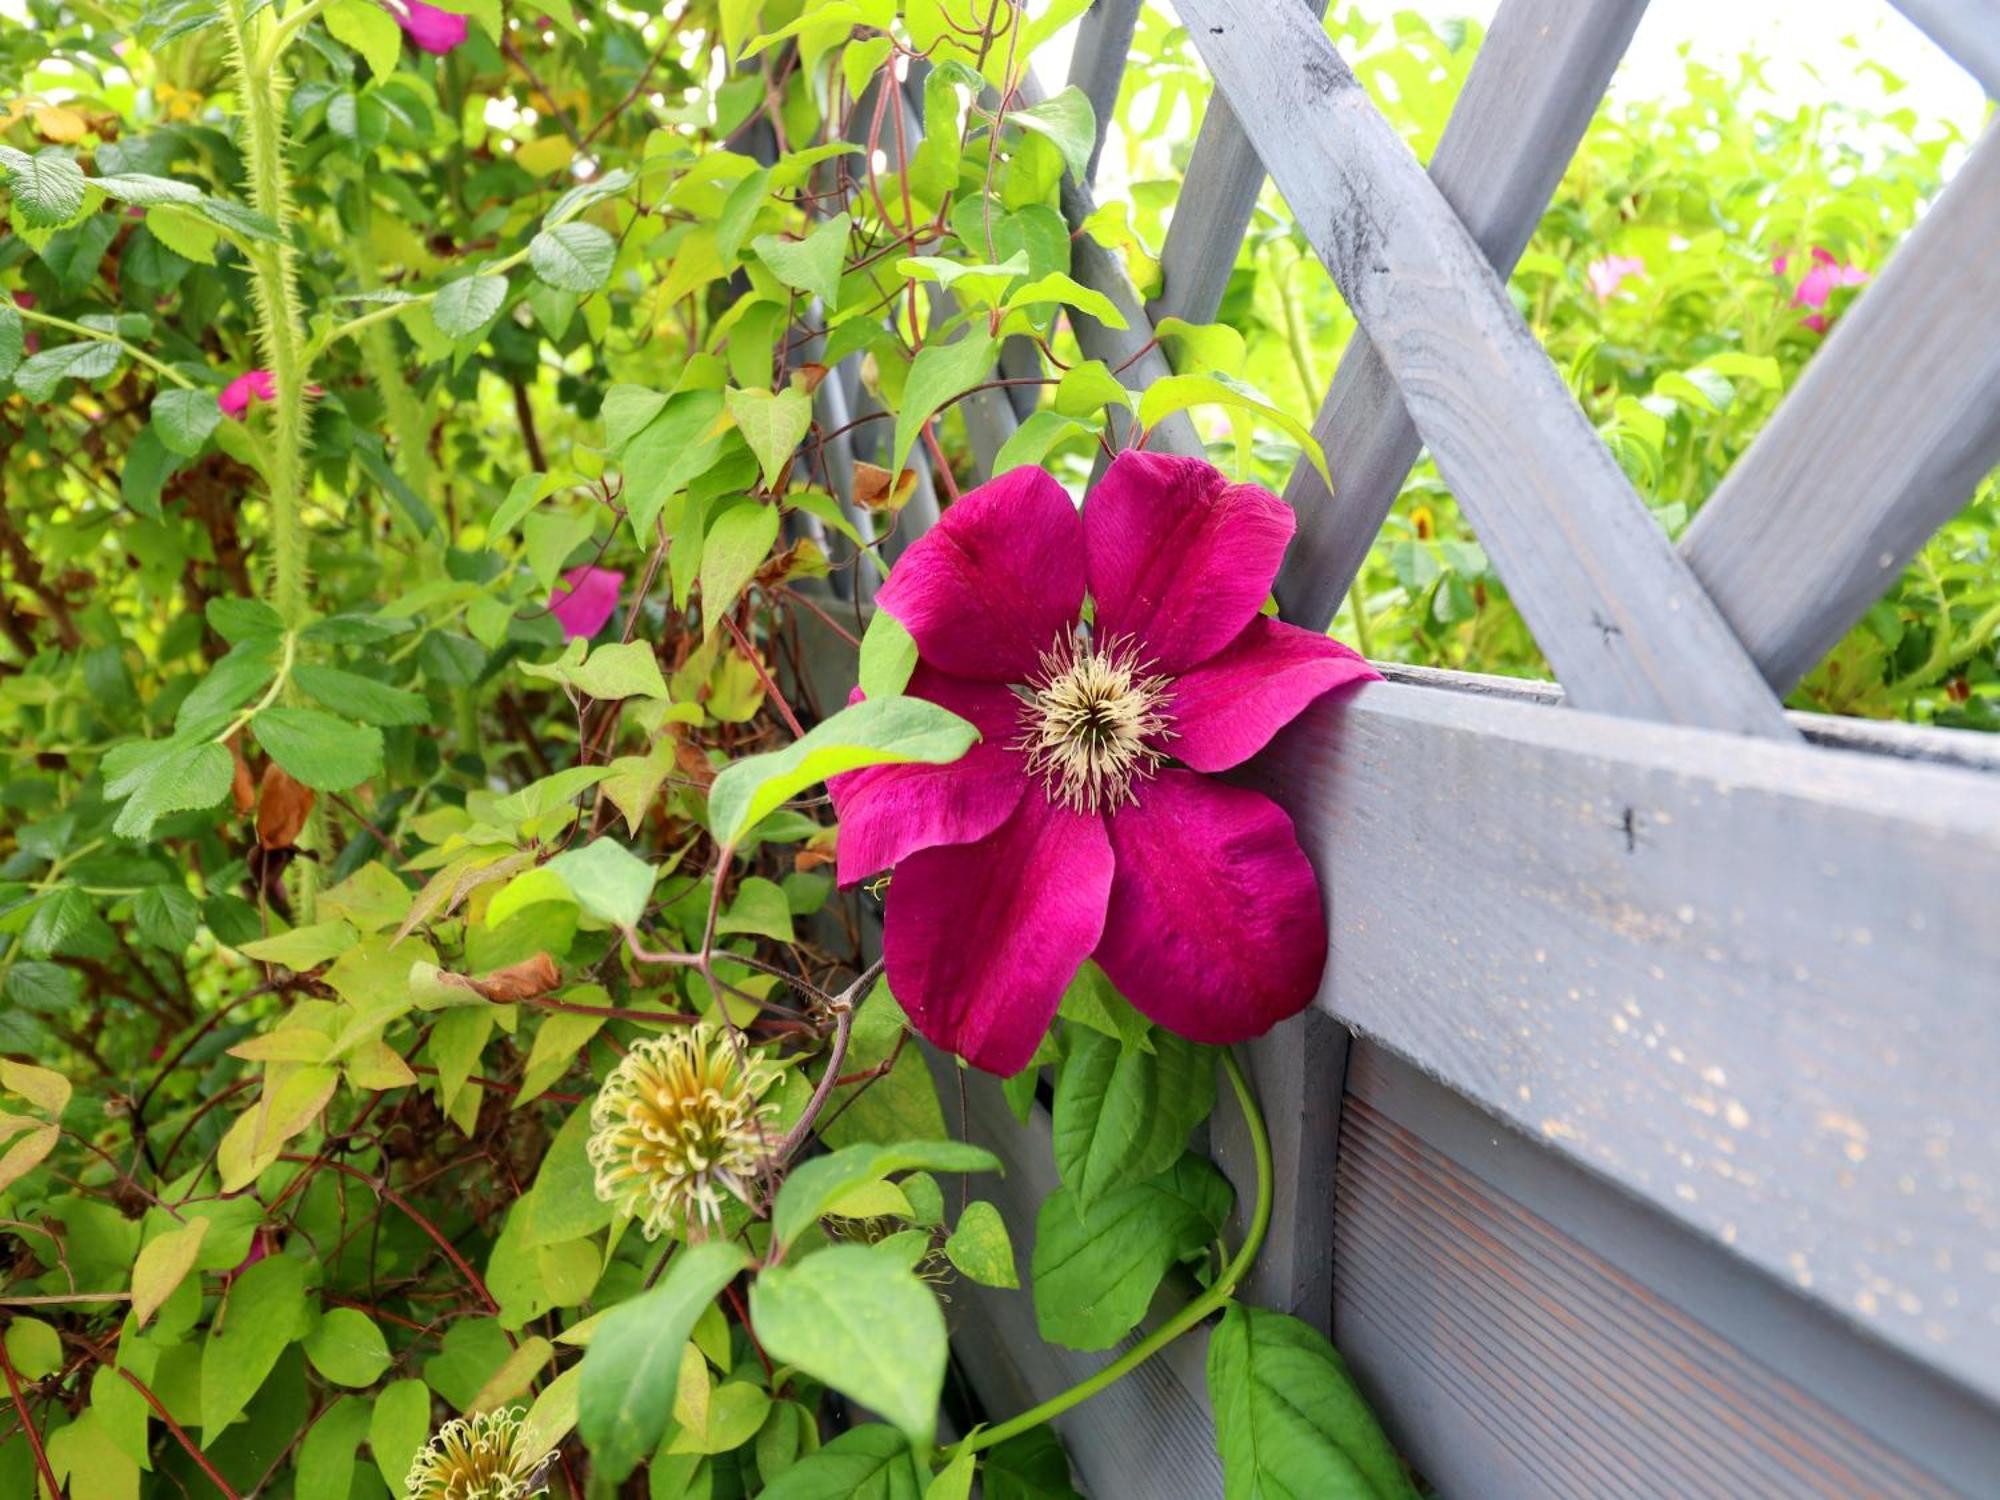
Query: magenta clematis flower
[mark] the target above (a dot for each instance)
(1817, 286)
(1086, 823)
(586, 600)
(433, 30)
(1605, 275)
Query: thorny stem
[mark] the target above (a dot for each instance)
(1208, 1302)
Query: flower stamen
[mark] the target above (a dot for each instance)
(484, 1457)
(1092, 722)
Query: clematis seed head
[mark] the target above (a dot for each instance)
(484, 1457)
(679, 1122)
(1093, 721)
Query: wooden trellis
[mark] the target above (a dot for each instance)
(1648, 1140)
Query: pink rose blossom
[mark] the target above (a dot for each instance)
(251, 385)
(1817, 286)
(1609, 273)
(586, 600)
(1087, 823)
(433, 30)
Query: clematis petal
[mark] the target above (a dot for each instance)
(991, 586)
(1227, 709)
(251, 385)
(1215, 928)
(1180, 558)
(586, 600)
(981, 939)
(888, 813)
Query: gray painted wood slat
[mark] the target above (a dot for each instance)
(1218, 195)
(1968, 29)
(1615, 609)
(1750, 982)
(1526, 103)
(1097, 63)
(1881, 442)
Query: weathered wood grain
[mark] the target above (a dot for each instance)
(1612, 605)
(1883, 440)
(1537, 80)
(1518, 1318)
(1750, 982)
(1968, 29)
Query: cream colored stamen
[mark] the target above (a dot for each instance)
(1092, 722)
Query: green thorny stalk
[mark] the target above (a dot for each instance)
(256, 46)
(1211, 1300)
(262, 86)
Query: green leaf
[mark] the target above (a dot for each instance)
(563, 1203)
(738, 542)
(166, 916)
(870, 1462)
(625, 1397)
(369, 30)
(397, 1428)
(620, 670)
(678, 445)
(157, 777)
(325, 753)
(865, 1325)
(1288, 1419)
(1058, 287)
(810, 265)
(576, 257)
(13, 338)
(527, 492)
(608, 880)
(1087, 388)
(463, 307)
(34, 1347)
(816, 1185)
(356, 697)
(184, 232)
(1028, 445)
(954, 1480)
(880, 731)
(347, 1348)
(1123, 1113)
(980, 1246)
(1069, 122)
(162, 1265)
(328, 1452)
(940, 373)
(48, 187)
(265, 1312)
(772, 424)
(1173, 393)
(1095, 1269)
(759, 907)
(184, 419)
(1032, 1466)
(91, 359)
(888, 656)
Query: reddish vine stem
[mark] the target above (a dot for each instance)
(431, 1231)
(28, 1422)
(180, 1436)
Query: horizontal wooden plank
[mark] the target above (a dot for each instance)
(1881, 442)
(1474, 1236)
(1967, 29)
(1750, 982)
(1537, 80)
(1513, 1359)
(1614, 608)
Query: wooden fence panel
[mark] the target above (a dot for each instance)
(1881, 442)
(1968, 29)
(1529, 97)
(1751, 983)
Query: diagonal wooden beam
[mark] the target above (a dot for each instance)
(1882, 441)
(1526, 103)
(1625, 624)
(1969, 30)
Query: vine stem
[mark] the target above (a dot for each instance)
(1208, 1302)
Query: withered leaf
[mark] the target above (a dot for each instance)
(282, 806)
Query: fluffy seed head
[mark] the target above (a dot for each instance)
(678, 1123)
(1093, 722)
(479, 1458)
